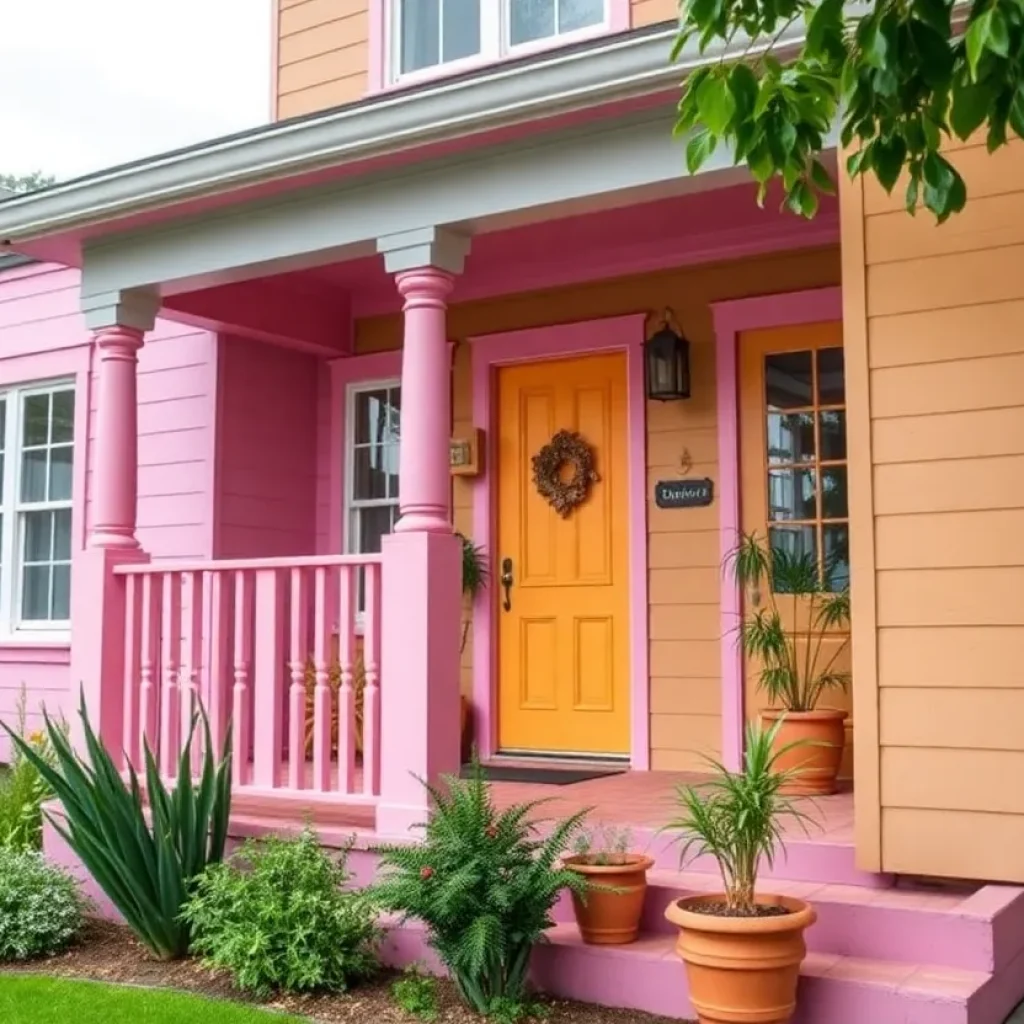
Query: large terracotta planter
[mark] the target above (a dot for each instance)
(821, 735)
(611, 918)
(742, 970)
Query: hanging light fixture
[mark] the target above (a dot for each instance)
(667, 361)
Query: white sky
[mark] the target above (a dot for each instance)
(86, 84)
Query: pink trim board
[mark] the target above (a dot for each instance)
(731, 319)
(487, 353)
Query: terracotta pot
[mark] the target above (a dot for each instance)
(822, 735)
(742, 969)
(611, 918)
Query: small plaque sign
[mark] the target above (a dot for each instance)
(684, 493)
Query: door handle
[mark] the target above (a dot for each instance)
(506, 582)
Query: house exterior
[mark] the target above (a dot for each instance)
(462, 234)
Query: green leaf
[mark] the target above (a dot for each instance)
(998, 40)
(859, 162)
(716, 104)
(970, 108)
(913, 190)
(826, 22)
(977, 39)
(698, 149)
(744, 88)
(935, 57)
(935, 14)
(888, 156)
(821, 178)
(1016, 117)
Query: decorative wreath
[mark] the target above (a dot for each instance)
(565, 448)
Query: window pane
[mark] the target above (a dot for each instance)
(832, 425)
(461, 36)
(38, 530)
(33, 475)
(61, 592)
(63, 417)
(369, 479)
(35, 593)
(373, 417)
(389, 462)
(791, 494)
(60, 473)
(790, 437)
(37, 419)
(3, 423)
(577, 14)
(531, 20)
(421, 34)
(788, 380)
(62, 535)
(831, 381)
(2, 471)
(797, 542)
(836, 538)
(833, 493)
(371, 525)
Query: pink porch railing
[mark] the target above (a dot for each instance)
(278, 647)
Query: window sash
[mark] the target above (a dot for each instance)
(495, 39)
(14, 510)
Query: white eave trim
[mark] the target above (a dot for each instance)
(621, 67)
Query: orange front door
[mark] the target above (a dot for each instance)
(794, 479)
(564, 621)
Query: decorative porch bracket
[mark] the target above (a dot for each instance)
(422, 559)
(119, 322)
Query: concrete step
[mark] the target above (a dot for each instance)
(958, 929)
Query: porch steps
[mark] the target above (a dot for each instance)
(876, 956)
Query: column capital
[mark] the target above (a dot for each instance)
(424, 247)
(132, 308)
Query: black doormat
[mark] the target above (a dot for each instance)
(546, 776)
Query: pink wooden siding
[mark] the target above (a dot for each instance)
(42, 337)
(267, 451)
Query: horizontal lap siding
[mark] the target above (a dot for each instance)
(322, 54)
(946, 364)
(684, 589)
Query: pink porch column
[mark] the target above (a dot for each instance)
(422, 570)
(119, 322)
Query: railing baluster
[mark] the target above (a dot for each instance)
(192, 663)
(346, 693)
(240, 689)
(371, 680)
(322, 692)
(132, 671)
(170, 658)
(216, 597)
(268, 665)
(298, 651)
(149, 683)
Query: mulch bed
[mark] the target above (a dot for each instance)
(109, 953)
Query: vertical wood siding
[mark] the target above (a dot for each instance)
(941, 319)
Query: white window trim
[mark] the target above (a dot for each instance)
(12, 628)
(494, 42)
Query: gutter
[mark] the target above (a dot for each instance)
(612, 69)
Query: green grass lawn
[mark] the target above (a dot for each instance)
(28, 1000)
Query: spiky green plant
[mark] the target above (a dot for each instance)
(145, 868)
(484, 883)
(792, 679)
(474, 578)
(737, 817)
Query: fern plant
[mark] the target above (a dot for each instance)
(474, 579)
(484, 883)
(792, 679)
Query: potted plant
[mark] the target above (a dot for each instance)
(608, 912)
(742, 949)
(474, 579)
(797, 666)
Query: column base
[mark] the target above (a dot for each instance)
(420, 691)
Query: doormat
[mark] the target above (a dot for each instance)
(541, 775)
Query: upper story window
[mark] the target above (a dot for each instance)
(37, 427)
(430, 34)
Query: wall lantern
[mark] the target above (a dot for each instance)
(667, 361)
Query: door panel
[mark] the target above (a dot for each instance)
(793, 474)
(564, 642)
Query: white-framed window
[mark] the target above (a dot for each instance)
(371, 463)
(425, 35)
(37, 442)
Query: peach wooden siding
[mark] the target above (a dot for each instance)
(682, 545)
(933, 315)
(321, 54)
(650, 12)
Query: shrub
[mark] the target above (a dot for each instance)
(484, 883)
(278, 915)
(416, 993)
(23, 790)
(41, 908)
(145, 868)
